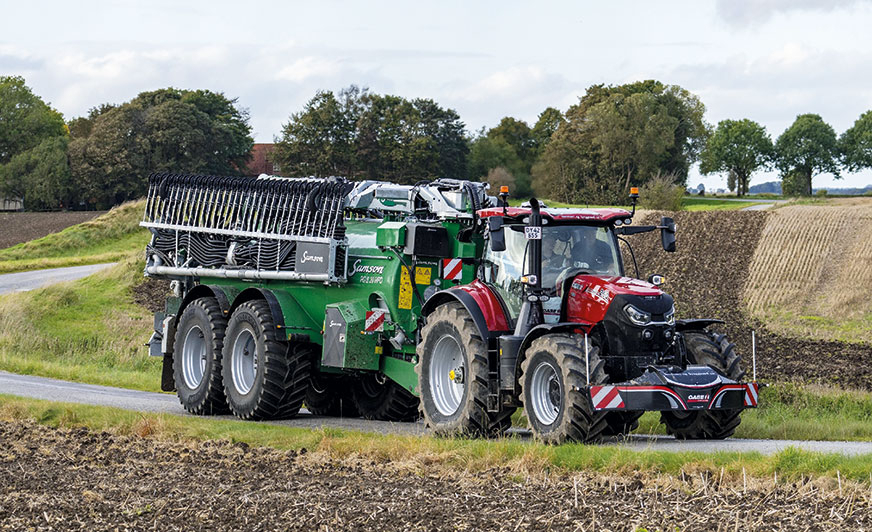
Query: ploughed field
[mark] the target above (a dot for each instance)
(731, 264)
(76, 479)
(18, 227)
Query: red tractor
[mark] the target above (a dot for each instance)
(553, 324)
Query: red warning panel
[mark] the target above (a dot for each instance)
(452, 269)
(375, 320)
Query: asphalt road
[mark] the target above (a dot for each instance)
(24, 281)
(57, 390)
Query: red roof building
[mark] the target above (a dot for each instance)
(259, 163)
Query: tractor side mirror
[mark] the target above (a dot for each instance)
(667, 233)
(497, 233)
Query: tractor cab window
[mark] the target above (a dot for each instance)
(565, 249)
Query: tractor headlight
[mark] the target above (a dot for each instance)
(637, 316)
(669, 318)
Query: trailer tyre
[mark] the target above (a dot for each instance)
(377, 397)
(330, 395)
(197, 358)
(715, 351)
(265, 377)
(553, 389)
(453, 376)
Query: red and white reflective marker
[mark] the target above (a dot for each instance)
(606, 397)
(751, 393)
(452, 269)
(375, 320)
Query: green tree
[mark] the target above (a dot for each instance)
(856, 144)
(488, 153)
(548, 122)
(618, 136)
(40, 176)
(25, 120)
(359, 134)
(808, 147)
(33, 143)
(739, 148)
(319, 140)
(113, 150)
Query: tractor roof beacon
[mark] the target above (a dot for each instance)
(397, 301)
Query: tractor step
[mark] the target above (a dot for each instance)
(666, 388)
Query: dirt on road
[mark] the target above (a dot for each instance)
(75, 479)
(18, 227)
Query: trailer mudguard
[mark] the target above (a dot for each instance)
(224, 295)
(287, 313)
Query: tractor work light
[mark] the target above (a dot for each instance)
(637, 316)
(669, 318)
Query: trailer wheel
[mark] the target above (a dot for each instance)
(717, 352)
(330, 395)
(377, 397)
(553, 380)
(453, 376)
(197, 358)
(264, 376)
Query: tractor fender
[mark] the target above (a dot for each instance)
(695, 325)
(483, 305)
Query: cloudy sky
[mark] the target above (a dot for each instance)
(767, 60)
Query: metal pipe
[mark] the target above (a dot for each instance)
(586, 359)
(236, 274)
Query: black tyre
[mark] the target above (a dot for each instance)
(621, 423)
(715, 351)
(330, 395)
(264, 376)
(453, 376)
(553, 384)
(197, 358)
(377, 397)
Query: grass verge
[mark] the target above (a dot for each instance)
(107, 238)
(430, 455)
(88, 330)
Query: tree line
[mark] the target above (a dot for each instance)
(614, 138)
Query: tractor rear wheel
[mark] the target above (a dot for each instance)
(197, 358)
(264, 376)
(453, 376)
(715, 351)
(377, 397)
(330, 395)
(553, 384)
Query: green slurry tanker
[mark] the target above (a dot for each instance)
(394, 302)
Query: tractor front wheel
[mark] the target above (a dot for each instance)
(553, 389)
(715, 351)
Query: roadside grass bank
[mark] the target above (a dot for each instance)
(428, 456)
(107, 238)
(88, 330)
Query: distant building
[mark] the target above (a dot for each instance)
(11, 204)
(259, 163)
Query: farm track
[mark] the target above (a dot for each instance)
(75, 479)
(21, 227)
(708, 276)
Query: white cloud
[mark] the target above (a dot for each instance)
(752, 13)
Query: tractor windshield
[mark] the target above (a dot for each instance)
(565, 248)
